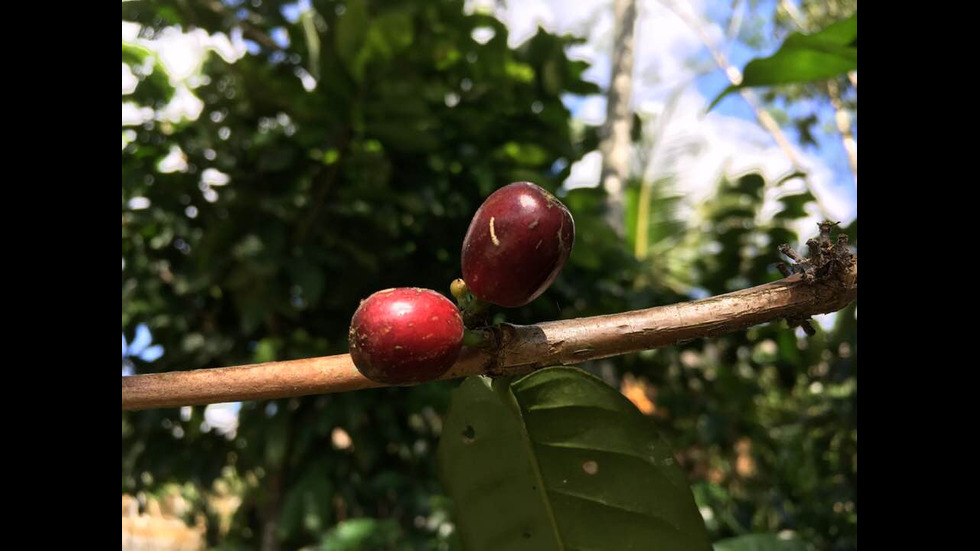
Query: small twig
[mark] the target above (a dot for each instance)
(825, 264)
(475, 312)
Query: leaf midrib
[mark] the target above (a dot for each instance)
(512, 403)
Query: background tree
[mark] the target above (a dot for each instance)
(615, 144)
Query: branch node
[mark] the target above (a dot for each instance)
(500, 336)
(827, 262)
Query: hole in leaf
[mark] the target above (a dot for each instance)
(469, 434)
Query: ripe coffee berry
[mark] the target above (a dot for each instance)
(516, 245)
(405, 336)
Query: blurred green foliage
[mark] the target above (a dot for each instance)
(369, 181)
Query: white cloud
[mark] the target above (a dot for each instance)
(175, 161)
(592, 110)
(585, 173)
(182, 55)
(223, 418)
(599, 64)
(130, 31)
(139, 203)
(482, 35)
(230, 49)
(214, 177)
(524, 17)
(134, 115)
(127, 137)
(309, 83)
(663, 47)
(129, 80)
(183, 105)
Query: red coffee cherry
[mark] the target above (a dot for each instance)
(405, 336)
(517, 243)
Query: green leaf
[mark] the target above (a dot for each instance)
(803, 58)
(362, 534)
(312, 41)
(794, 206)
(266, 350)
(760, 542)
(362, 40)
(560, 460)
(521, 72)
(307, 504)
(387, 35)
(391, 33)
(526, 154)
(351, 31)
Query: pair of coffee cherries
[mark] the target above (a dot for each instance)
(515, 247)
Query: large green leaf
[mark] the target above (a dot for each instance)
(803, 58)
(760, 542)
(560, 460)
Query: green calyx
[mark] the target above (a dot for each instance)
(474, 311)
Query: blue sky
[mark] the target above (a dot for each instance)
(830, 148)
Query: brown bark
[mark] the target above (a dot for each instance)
(516, 349)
